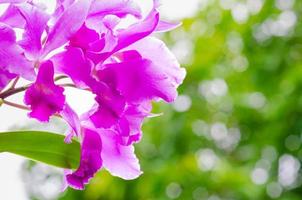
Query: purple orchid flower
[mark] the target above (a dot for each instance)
(125, 68)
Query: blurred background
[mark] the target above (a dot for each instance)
(235, 131)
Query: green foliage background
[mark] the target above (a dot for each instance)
(245, 85)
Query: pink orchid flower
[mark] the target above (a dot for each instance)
(82, 40)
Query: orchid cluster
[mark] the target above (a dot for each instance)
(83, 41)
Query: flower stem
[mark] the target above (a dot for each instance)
(14, 83)
(60, 77)
(22, 107)
(12, 91)
(73, 86)
(68, 85)
(15, 105)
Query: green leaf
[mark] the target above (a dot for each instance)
(41, 146)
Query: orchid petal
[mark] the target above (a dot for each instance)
(13, 17)
(111, 106)
(12, 1)
(131, 35)
(11, 55)
(90, 162)
(71, 117)
(119, 8)
(139, 80)
(155, 50)
(138, 31)
(68, 24)
(130, 125)
(164, 26)
(36, 22)
(84, 38)
(73, 63)
(119, 160)
(44, 97)
(5, 78)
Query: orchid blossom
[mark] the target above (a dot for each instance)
(83, 41)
